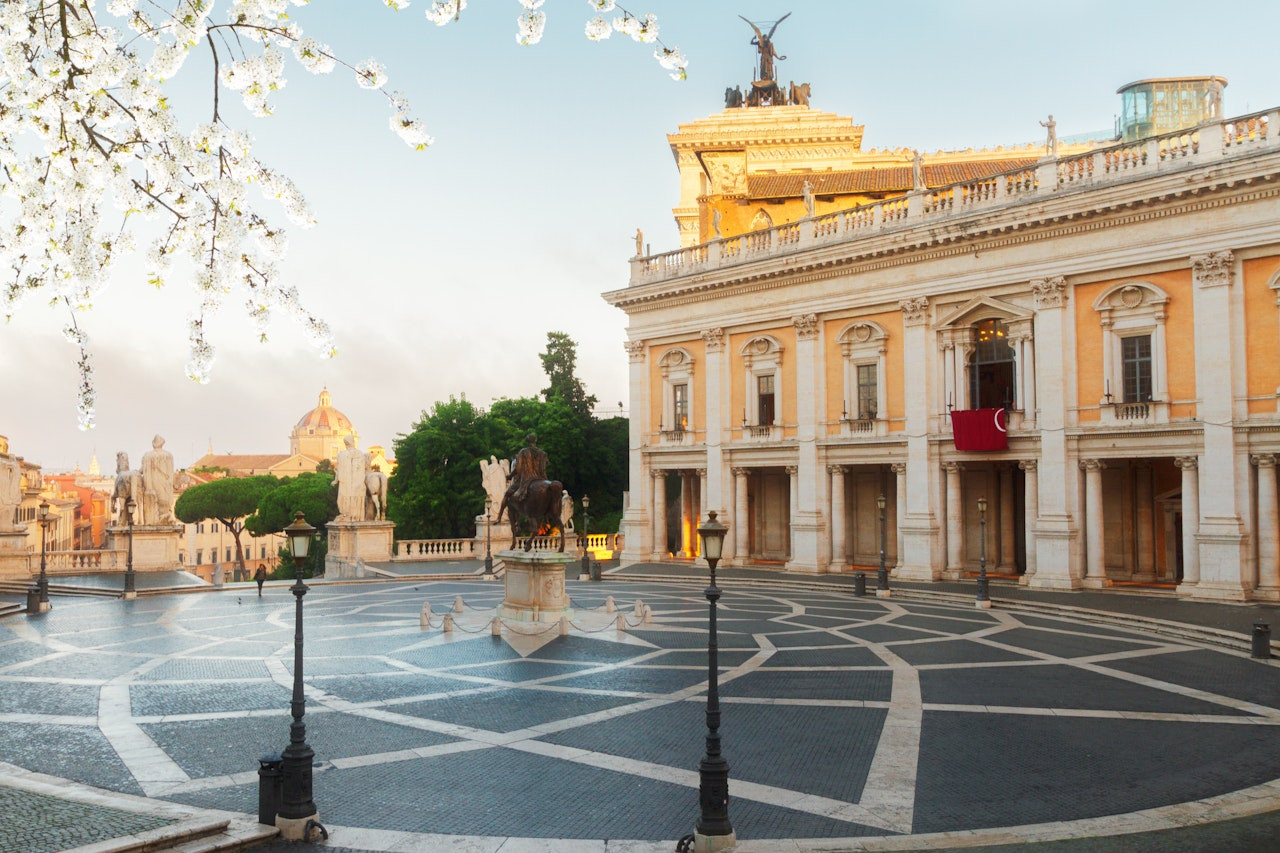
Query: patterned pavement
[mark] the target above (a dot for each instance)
(848, 722)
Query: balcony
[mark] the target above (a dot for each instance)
(677, 437)
(871, 427)
(1135, 414)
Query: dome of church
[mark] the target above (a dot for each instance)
(319, 433)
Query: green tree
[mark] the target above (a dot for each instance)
(228, 501)
(324, 466)
(559, 362)
(436, 491)
(313, 495)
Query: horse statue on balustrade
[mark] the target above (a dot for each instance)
(375, 487)
(128, 485)
(537, 512)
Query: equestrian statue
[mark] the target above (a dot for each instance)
(532, 502)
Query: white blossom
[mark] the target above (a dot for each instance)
(371, 75)
(603, 6)
(598, 29)
(444, 11)
(529, 27)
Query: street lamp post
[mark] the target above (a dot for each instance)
(488, 538)
(586, 543)
(713, 831)
(882, 574)
(982, 599)
(296, 805)
(130, 582)
(45, 519)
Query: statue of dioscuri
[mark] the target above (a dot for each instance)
(494, 475)
(532, 502)
(157, 484)
(349, 476)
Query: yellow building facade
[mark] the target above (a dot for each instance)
(831, 314)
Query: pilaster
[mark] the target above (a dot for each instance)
(920, 535)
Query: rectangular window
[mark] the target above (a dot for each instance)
(199, 558)
(765, 399)
(868, 394)
(1135, 357)
(680, 405)
(228, 555)
(264, 552)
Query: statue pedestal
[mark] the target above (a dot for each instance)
(15, 559)
(349, 541)
(155, 546)
(499, 535)
(534, 586)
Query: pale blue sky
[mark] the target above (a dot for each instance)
(442, 271)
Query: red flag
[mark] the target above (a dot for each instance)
(979, 429)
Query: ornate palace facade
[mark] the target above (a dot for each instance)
(794, 362)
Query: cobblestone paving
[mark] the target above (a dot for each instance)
(63, 824)
(843, 717)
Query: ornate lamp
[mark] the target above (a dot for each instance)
(882, 574)
(45, 518)
(713, 772)
(130, 582)
(488, 537)
(982, 600)
(586, 544)
(296, 804)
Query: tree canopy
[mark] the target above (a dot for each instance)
(559, 362)
(228, 501)
(91, 146)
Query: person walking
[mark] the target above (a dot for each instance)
(260, 576)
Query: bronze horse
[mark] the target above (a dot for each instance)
(539, 508)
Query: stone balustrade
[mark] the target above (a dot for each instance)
(426, 550)
(79, 562)
(1206, 145)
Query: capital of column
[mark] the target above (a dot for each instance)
(1264, 460)
(741, 472)
(837, 469)
(952, 467)
(1049, 292)
(658, 473)
(714, 339)
(1187, 462)
(806, 326)
(1028, 464)
(635, 350)
(793, 470)
(702, 472)
(898, 467)
(914, 310)
(1213, 270)
(1092, 465)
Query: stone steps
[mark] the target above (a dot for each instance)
(192, 836)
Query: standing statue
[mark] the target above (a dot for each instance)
(764, 44)
(809, 204)
(566, 512)
(493, 475)
(349, 478)
(639, 243)
(917, 172)
(533, 502)
(715, 223)
(1051, 143)
(157, 484)
(10, 489)
(128, 484)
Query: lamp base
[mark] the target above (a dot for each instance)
(714, 843)
(294, 829)
(983, 604)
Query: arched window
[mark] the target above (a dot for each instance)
(1134, 374)
(761, 221)
(992, 374)
(677, 394)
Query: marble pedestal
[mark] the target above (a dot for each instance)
(534, 586)
(155, 546)
(499, 535)
(351, 541)
(15, 559)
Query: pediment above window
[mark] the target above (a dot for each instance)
(1131, 296)
(984, 308)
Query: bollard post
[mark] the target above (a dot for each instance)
(424, 620)
(859, 584)
(609, 606)
(496, 627)
(447, 627)
(457, 604)
(622, 622)
(270, 784)
(564, 626)
(648, 614)
(639, 611)
(1261, 640)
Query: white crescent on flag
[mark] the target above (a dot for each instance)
(997, 416)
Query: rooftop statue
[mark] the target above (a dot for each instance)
(764, 44)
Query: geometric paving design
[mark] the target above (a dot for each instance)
(843, 717)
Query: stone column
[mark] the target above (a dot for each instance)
(793, 476)
(660, 514)
(955, 521)
(1031, 509)
(807, 522)
(1268, 528)
(900, 505)
(741, 527)
(921, 538)
(713, 489)
(1190, 522)
(1095, 554)
(687, 522)
(638, 541)
(1226, 566)
(838, 561)
(1007, 558)
(1057, 535)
